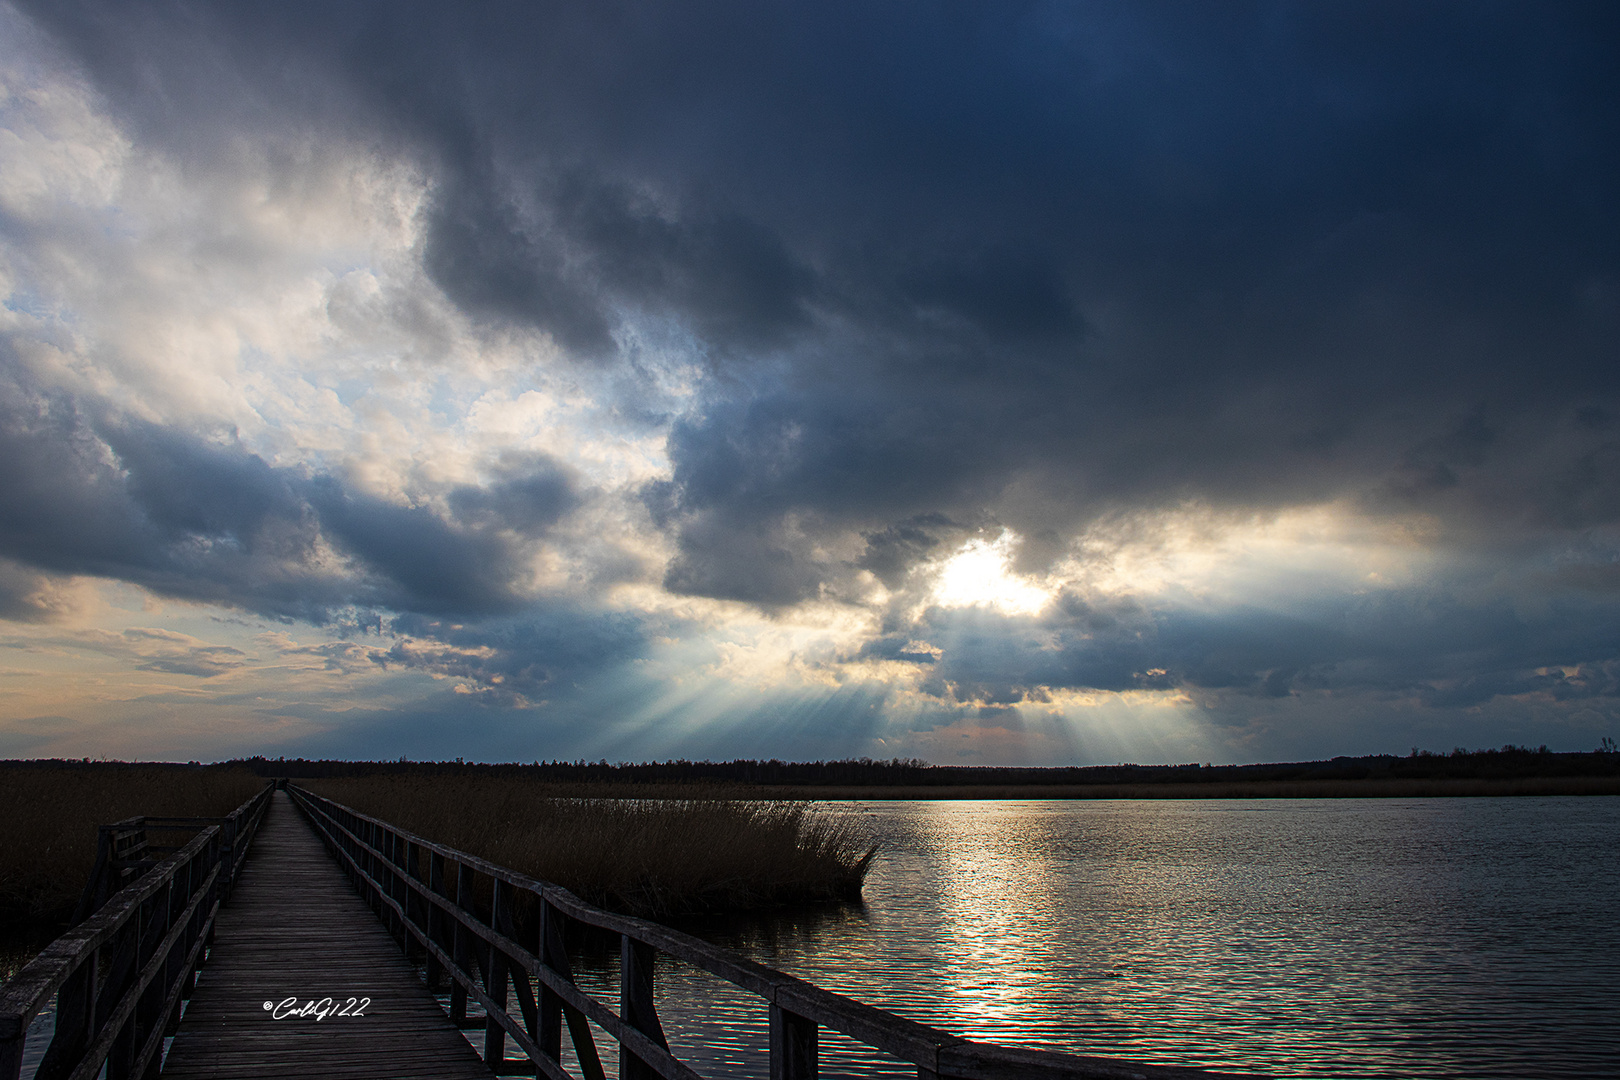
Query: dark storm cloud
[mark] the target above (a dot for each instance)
(482, 254)
(437, 566)
(891, 551)
(531, 494)
(1250, 245)
(86, 491)
(526, 654)
(1029, 266)
(170, 512)
(589, 246)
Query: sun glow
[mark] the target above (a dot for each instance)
(978, 576)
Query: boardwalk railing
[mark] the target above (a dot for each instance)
(463, 914)
(120, 975)
(124, 851)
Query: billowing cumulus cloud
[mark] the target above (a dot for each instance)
(999, 381)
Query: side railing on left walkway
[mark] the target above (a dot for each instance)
(120, 975)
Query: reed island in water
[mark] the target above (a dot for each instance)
(688, 850)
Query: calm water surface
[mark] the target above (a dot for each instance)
(1421, 937)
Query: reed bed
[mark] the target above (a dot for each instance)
(50, 812)
(688, 852)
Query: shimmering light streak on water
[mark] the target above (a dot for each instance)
(1423, 937)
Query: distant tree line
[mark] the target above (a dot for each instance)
(1509, 762)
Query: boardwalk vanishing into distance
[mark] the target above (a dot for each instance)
(298, 956)
(296, 931)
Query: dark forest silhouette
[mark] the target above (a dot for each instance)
(1507, 763)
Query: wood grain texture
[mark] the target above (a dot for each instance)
(296, 929)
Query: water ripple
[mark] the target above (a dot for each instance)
(1419, 937)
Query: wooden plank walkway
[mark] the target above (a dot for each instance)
(296, 929)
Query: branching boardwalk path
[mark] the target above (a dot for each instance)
(295, 929)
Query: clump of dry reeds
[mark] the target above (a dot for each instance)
(643, 856)
(50, 811)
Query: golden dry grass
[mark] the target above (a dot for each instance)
(643, 856)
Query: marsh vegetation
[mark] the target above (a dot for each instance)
(681, 853)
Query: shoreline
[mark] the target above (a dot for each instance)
(1215, 789)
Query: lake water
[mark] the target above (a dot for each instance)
(1391, 937)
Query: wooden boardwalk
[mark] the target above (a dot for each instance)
(295, 929)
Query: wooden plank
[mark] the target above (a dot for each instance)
(295, 929)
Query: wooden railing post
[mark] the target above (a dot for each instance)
(228, 849)
(385, 876)
(636, 1006)
(197, 869)
(435, 920)
(349, 843)
(495, 977)
(123, 1047)
(413, 900)
(330, 820)
(75, 1021)
(391, 884)
(522, 987)
(149, 1005)
(458, 993)
(554, 955)
(368, 864)
(793, 1046)
(372, 835)
(401, 892)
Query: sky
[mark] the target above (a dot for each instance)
(1038, 383)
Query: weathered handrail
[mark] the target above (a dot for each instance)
(477, 945)
(120, 975)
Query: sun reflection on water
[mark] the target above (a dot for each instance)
(1307, 938)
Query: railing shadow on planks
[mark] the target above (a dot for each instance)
(461, 914)
(120, 974)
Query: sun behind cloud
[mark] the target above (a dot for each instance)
(978, 576)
